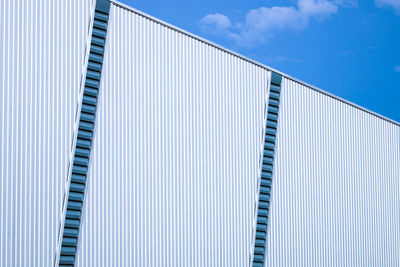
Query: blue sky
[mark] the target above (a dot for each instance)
(346, 47)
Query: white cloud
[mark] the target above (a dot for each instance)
(395, 4)
(215, 23)
(316, 8)
(262, 23)
(397, 68)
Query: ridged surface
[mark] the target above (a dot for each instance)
(176, 151)
(176, 156)
(266, 171)
(75, 195)
(41, 56)
(335, 193)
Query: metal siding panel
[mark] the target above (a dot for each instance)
(335, 194)
(80, 165)
(41, 55)
(175, 156)
(266, 163)
(239, 56)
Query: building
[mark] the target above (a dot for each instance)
(126, 141)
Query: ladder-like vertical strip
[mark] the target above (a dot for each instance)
(267, 167)
(84, 139)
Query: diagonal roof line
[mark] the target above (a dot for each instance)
(175, 28)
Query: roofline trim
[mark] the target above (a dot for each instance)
(201, 39)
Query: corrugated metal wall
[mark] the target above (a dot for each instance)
(41, 56)
(335, 196)
(176, 151)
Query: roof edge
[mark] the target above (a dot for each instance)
(201, 39)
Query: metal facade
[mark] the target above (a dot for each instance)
(176, 151)
(42, 52)
(335, 195)
(74, 197)
(266, 172)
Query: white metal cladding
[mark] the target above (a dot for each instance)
(42, 50)
(248, 59)
(335, 196)
(176, 153)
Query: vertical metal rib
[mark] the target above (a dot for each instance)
(267, 167)
(75, 195)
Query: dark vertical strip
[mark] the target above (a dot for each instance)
(75, 202)
(267, 171)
